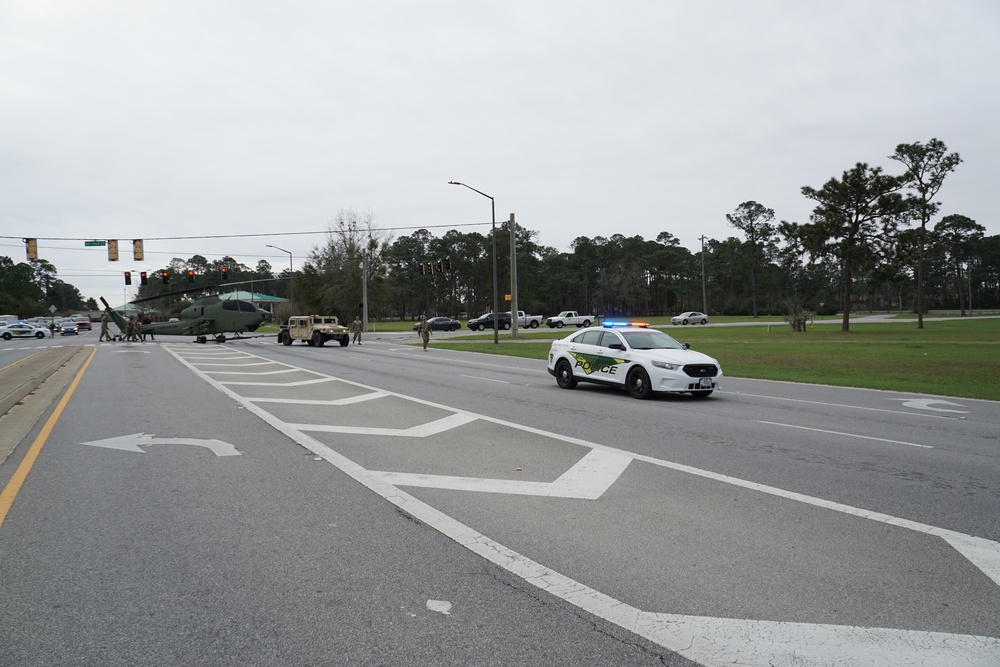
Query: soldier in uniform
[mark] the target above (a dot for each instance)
(356, 327)
(424, 329)
(104, 328)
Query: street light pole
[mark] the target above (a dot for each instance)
(493, 210)
(291, 272)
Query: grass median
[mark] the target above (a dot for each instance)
(946, 357)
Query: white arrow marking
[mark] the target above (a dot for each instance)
(925, 404)
(136, 441)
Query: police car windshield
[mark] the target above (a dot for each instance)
(650, 340)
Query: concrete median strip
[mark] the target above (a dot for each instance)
(43, 375)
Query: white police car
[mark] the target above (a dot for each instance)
(23, 330)
(633, 356)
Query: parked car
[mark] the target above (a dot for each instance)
(84, 325)
(690, 317)
(23, 330)
(441, 324)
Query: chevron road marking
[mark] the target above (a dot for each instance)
(713, 642)
(588, 479)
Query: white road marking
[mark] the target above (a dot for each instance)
(259, 363)
(848, 435)
(300, 383)
(277, 372)
(588, 479)
(714, 642)
(136, 441)
(476, 377)
(925, 404)
(418, 431)
(440, 606)
(838, 405)
(309, 401)
(221, 355)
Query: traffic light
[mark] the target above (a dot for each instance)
(143, 280)
(128, 277)
(447, 263)
(112, 250)
(190, 275)
(225, 273)
(440, 266)
(423, 269)
(137, 249)
(166, 277)
(31, 247)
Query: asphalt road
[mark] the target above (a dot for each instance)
(382, 505)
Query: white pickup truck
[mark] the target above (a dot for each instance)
(528, 321)
(568, 317)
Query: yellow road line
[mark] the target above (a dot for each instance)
(14, 485)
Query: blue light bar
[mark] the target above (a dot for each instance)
(612, 324)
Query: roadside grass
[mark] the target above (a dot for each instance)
(946, 357)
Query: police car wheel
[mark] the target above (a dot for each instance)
(564, 375)
(638, 384)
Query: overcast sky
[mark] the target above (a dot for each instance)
(125, 119)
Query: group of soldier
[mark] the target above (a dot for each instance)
(133, 330)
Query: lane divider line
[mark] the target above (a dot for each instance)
(846, 435)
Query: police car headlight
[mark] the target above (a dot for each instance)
(667, 365)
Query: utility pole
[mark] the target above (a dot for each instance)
(512, 227)
(704, 300)
(364, 291)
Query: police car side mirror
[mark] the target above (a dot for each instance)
(616, 346)
(686, 346)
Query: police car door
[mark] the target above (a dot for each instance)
(611, 353)
(593, 359)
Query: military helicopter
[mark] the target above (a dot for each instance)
(207, 316)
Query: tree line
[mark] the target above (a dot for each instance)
(873, 242)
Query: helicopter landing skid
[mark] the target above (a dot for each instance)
(222, 338)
